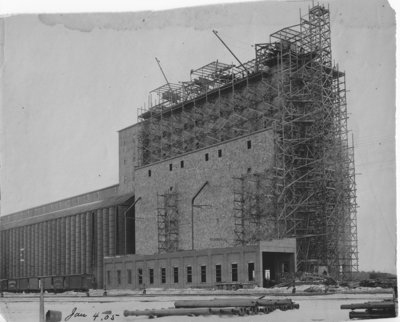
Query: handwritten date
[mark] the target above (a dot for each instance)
(102, 316)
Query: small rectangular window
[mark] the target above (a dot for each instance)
(219, 153)
(170, 167)
(176, 275)
(203, 274)
(119, 277)
(163, 275)
(250, 271)
(206, 156)
(140, 276)
(182, 164)
(189, 274)
(218, 273)
(129, 273)
(249, 144)
(234, 272)
(108, 277)
(149, 173)
(151, 275)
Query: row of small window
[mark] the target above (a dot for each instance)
(206, 157)
(189, 274)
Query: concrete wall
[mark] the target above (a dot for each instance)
(66, 242)
(181, 260)
(63, 246)
(127, 157)
(213, 221)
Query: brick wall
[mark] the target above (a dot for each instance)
(117, 269)
(127, 158)
(213, 221)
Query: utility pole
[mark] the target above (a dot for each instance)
(41, 302)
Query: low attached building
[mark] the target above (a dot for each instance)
(214, 267)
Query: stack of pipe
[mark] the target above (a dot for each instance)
(372, 310)
(218, 307)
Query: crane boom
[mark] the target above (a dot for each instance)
(226, 46)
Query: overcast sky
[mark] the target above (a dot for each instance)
(70, 82)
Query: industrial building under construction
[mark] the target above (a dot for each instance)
(243, 174)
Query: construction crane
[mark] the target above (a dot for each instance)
(162, 71)
(226, 46)
(169, 94)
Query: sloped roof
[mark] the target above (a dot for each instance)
(11, 221)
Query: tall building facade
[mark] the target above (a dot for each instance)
(236, 157)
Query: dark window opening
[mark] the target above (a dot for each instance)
(248, 170)
(149, 173)
(206, 156)
(176, 275)
(285, 267)
(151, 275)
(189, 274)
(108, 277)
(129, 276)
(163, 275)
(218, 273)
(140, 276)
(119, 277)
(249, 144)
(182, 164)
(170, 188)
(250, 271)
(170, 167)
(219, 153)
(203, 274)
(234, 272)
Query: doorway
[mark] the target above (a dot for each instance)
(276, 265)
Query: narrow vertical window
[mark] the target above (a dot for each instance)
(206, 156)
(151, 276)
(149, 173)
(182, 164)
(219, 153)
(203, 274)
(250, 271)
(249, 144)
(129, 272)
(170, 167)
(163, 275)
(218, 273)
(189, 274)
(176, 275)
(234, 272)
(119, 277)
(140, 276)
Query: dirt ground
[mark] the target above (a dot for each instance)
(25, 308)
